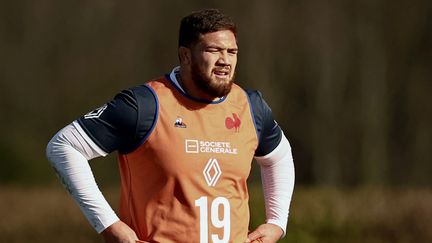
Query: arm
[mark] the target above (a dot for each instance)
(112, 127)
(277, 175)
(277, 171)
(69, 152)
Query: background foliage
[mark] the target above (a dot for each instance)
(349, 81)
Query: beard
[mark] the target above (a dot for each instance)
(214, 88)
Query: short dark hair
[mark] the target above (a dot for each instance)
(202, 22)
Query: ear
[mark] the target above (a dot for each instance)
(185, 55)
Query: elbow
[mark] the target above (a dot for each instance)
(49, 151)
(55, 151)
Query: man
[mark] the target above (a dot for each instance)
(185, 143)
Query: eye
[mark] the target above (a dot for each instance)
(212, 50)
(233, 51)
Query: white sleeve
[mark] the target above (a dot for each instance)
(277, 175)
(69, 151)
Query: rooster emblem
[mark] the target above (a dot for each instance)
(231, 123)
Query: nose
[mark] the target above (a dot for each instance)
(223, 58)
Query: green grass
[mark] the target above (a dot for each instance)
(321, 215)
(369, 215)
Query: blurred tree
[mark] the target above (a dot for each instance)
(349, 81)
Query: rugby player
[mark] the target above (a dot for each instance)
(185, 143)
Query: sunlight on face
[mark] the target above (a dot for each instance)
(213, 62)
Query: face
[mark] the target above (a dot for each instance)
(213, 62)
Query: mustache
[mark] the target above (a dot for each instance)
(226, 68)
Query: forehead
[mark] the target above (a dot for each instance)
(221, 38)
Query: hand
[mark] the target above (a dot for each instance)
(265, 233)
(119, 232)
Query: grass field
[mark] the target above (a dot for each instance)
(317, 215)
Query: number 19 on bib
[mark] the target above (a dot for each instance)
(217, 222)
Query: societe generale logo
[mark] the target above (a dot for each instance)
(193, 146)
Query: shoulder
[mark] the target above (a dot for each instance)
(122, 122)
(269, 132)
(142, 93)
(254, 96)
(259, 107)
